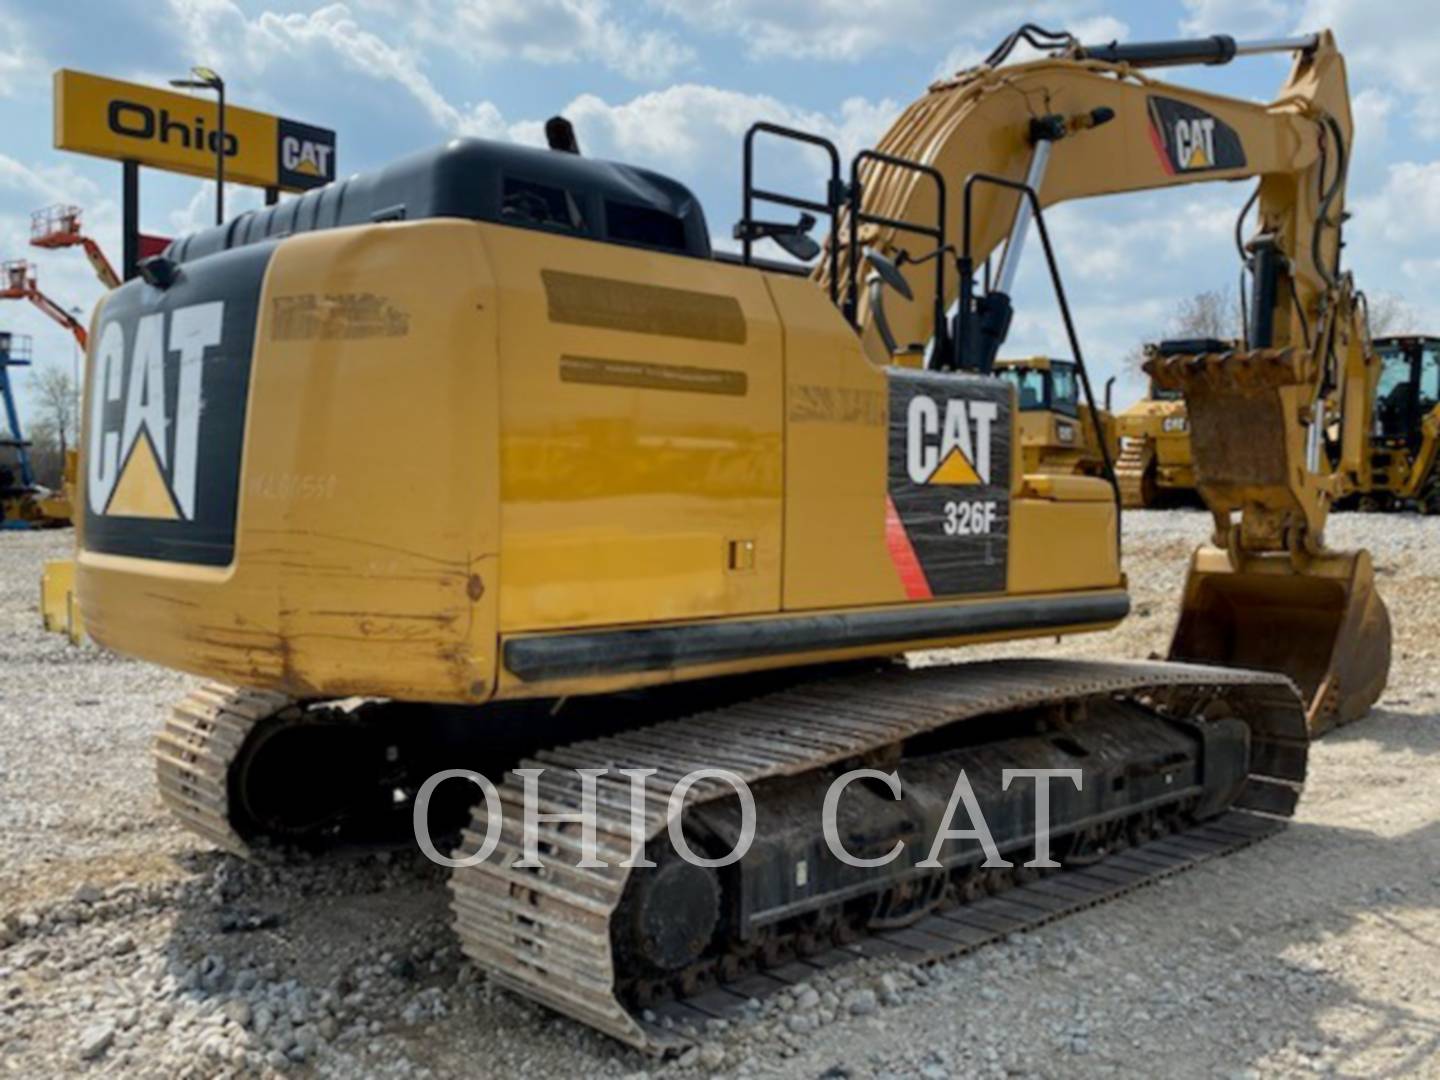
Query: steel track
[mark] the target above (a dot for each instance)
(545, 933)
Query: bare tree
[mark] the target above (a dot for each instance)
(55, 404)
(1211, 313)
(47, 454)
(1390, 314)
(1216, 313)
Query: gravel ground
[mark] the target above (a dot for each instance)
(129, 948)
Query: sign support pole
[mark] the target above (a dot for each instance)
(130, 199)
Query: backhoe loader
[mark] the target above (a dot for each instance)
(1404, 460)
(682, 511)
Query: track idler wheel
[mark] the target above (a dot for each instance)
(668, 917)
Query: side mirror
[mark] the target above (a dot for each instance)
(884, 273)
(799, 245)
(794, 239)
(889, 273)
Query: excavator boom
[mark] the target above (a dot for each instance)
(1279, 424)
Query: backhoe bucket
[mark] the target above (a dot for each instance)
(1325, 627)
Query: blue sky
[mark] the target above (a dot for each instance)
(672, 84)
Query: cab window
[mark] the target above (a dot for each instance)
(1394, 378)
(1064, 397)
(1430, 378)
(1029, 387)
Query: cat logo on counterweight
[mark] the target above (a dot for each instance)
(949, 442)
(142, 456)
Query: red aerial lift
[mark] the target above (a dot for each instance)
(59, 227)
(17, 282)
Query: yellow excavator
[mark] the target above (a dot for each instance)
(680, 512)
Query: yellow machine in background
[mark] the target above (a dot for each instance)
(59, 609)
(685, 509)
(1154, 462)
(1404, 461)
(24, 503)
(1058, 434)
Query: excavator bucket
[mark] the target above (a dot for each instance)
(1325, 627)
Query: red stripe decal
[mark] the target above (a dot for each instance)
(1159, 144)
(902, 554)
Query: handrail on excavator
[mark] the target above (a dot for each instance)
(858, 216)
(746, 228)
(964, 316)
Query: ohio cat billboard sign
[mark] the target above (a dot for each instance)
(180, 133)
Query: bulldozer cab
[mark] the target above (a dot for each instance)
(1042, 384)
(1408, 390)
(1057, 431)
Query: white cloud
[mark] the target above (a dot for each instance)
(1371, 109)
(1391, 45)
(852, 30)
(1405, 212)
(561, 32)
(12, 68)
(820, 29)
(221, 33)
(538, 31)
(198, 212)
(683, 126)
(1239, 18)
(52, 183)
(20, 61)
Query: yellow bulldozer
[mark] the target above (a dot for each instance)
(680, 512)
(1154, 463)
(1404, 460)
(1058, 433)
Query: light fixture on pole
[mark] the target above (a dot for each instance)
(207, 79)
